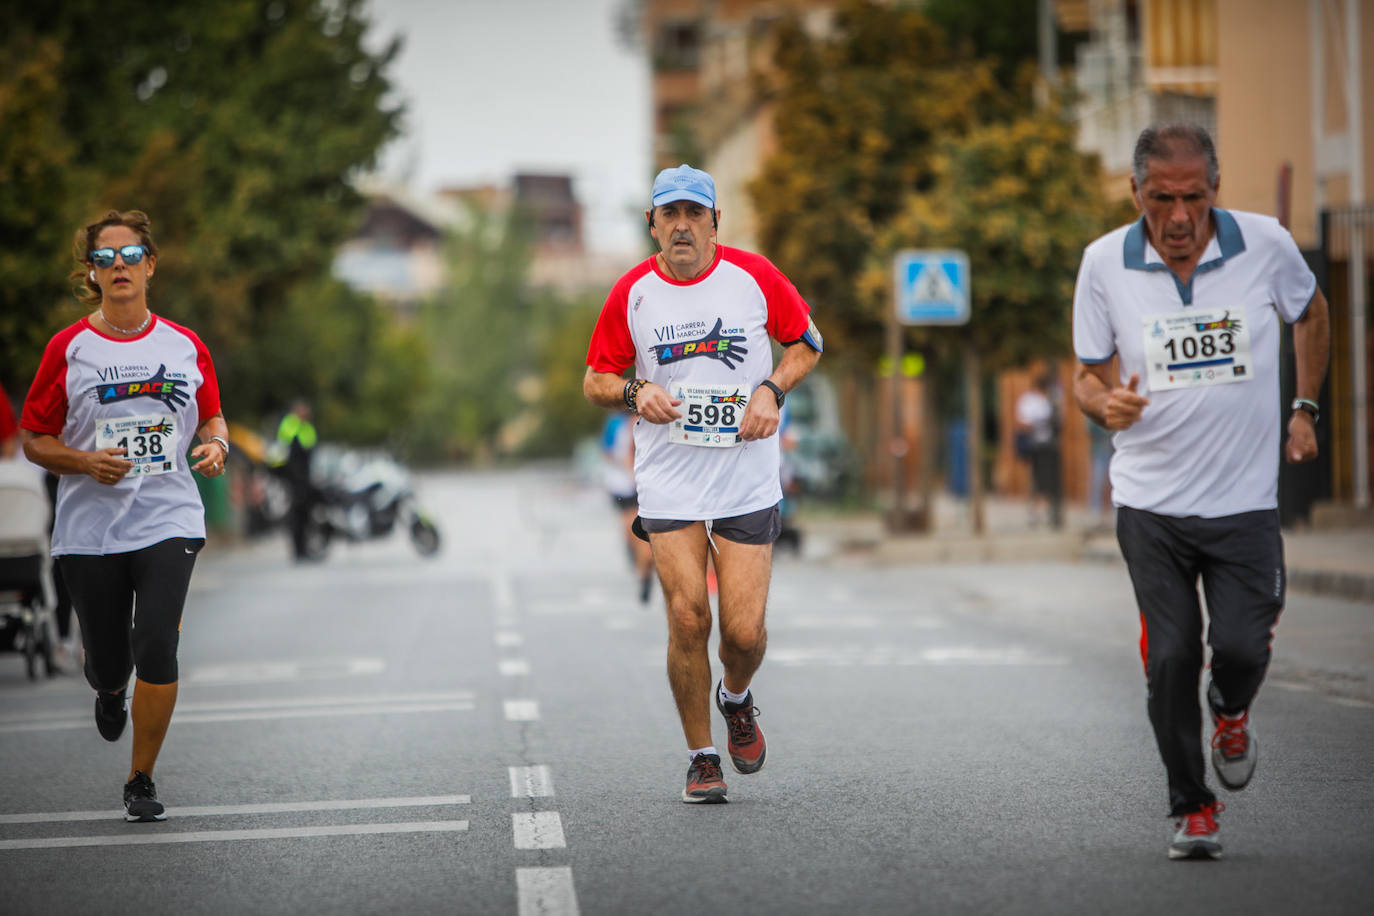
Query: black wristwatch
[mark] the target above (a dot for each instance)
(777, 392)
(1309, 406)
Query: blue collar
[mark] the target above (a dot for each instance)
(1228, 238)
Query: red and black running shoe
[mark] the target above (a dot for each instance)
(704, 782)
(746, 745)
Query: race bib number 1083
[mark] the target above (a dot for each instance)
(711, 414)
(1195, 349)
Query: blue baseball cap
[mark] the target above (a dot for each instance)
(684, 183)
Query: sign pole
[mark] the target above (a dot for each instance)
(897, 448)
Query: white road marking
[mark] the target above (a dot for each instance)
(545, 892)
(522, 710)
(259, 710)
(1352, 701)
(884, 656)
(531, 782)
(508, 639)
(514, 667)
(215, 836)
(538, 830)
(502, 591)
(262, 808)
(263, 672)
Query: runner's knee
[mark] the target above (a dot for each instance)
(155, 655)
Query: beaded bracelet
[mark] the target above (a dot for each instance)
(631, 393)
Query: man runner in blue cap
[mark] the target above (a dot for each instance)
(694, 321)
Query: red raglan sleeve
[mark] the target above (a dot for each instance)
(45, 408)
(612, 348)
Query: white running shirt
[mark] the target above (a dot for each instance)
(711, 330)
(88, 379)
(1207, 444)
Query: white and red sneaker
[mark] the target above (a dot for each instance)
(1198, 836)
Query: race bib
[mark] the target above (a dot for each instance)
(149, 442)
(711, 414)
(1194, 349)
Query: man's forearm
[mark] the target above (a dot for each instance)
(796, 364)
(1312, 348)
(604, 389)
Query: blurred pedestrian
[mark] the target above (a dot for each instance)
(1191, 298)
(1099, 487)
(694, 321)
(296, 438)
(1037, 427)
(129, 521)
(9, 427)
(617, 470)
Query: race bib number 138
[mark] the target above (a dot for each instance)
(149, 442)
(1195, 349)
(711, 414)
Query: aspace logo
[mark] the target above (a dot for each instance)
(169, 391)
(164, 428)
(727, 399)
(728, 348)
(1224, 323)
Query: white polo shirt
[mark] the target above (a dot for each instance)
(713, 330)
(1207, 353)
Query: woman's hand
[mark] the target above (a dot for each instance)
(106, 466)
(209, 459)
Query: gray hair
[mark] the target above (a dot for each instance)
(1165, 141)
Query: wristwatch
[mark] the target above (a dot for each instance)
(1309, 406)
(777, 392)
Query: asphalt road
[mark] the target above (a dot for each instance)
(491, 731)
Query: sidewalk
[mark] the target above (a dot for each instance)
(1337, 562)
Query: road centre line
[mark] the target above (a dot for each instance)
(531, 782)
(508, 639)
(514, 667)
(538, 830)
(522, 710)
(502, 590)
(212, 836)
(350, 804)
(545, 892)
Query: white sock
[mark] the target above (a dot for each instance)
(708, 749)
(727, 697)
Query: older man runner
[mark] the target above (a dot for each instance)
(694, 321)
(1190, 300)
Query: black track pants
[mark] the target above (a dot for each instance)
(1239, 559)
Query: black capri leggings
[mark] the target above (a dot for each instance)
(117, 637)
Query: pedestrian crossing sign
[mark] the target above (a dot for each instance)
(932, 286)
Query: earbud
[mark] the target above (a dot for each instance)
(92, 276)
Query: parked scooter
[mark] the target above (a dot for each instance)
(363, 497)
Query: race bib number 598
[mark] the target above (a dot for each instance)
(1194, 349)
(711, 414)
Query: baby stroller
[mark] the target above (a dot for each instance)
(27, 621)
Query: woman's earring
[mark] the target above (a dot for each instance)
(92, 276)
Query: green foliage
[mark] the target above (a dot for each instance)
(1022, 202)
(236, 124)
(1004, 32)
(860, 112)
(480, 329)
(565, 415)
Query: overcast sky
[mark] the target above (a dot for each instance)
(498, 86)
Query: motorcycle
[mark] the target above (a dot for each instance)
(364, 497)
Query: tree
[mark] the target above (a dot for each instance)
(237, 124)
(1022, 202)
(860, 112)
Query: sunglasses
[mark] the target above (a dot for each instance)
(105, 257)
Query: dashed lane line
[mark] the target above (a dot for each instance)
(538, 830)
(531, 782)
(215, 836)
(513, 667)
(522, 710)
(545, 892)
(352, 804)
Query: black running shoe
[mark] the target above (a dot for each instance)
(140, 800)
(110, 715)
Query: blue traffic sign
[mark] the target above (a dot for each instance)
(932, 286)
